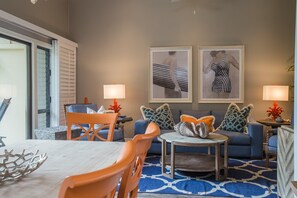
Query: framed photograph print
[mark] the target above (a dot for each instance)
(170, 77)
(221, 74)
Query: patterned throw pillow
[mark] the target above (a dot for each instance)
(235, 118)
(100, 111)
(161, 116)
(207, 120)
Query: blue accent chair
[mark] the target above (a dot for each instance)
(82, 108)
(241, 145)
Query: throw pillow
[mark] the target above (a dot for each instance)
(235, 118)
(207, 120)
(100, 111)
(91, 111)
(161, 116)
(186, 129)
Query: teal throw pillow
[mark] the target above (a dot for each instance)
(161, 116)
(236, 119)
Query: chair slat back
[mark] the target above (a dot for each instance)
(94, 122)
(130, 180)
(101, 183)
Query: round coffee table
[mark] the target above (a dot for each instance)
(197, 162)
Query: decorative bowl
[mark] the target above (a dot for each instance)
(14, 166)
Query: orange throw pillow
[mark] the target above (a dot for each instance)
(208, 121)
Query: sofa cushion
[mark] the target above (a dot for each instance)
(236, 138)
(207, 120)
(195, 113)
(175, 114)
(161, 116)
(219, 115)
(235, 118)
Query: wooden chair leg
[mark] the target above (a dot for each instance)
(134, 193)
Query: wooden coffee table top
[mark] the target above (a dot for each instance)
(177, 138)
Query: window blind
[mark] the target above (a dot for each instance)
(67, 79)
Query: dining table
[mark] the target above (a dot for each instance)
(65, 158)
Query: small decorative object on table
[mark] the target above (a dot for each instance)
(16, 166)
(191, 130)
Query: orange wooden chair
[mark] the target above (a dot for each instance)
(130, 180)
(94, 122)
(101, 183)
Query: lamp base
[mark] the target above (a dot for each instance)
(275, 111)
(116, 107)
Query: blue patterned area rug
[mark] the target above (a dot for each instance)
(246, 178)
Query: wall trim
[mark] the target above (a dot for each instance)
(4, 16)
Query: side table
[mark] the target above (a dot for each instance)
(273, 126)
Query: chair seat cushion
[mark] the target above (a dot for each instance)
(272, 142)
(236, 138)
(117, 136)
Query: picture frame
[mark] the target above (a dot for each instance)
(170, 74)
(221, 74)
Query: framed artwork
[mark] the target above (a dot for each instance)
(170, 77)
(221, 74)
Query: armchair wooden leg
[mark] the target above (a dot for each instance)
(267, 158)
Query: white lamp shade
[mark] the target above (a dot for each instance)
(114, 91)
(276, 93)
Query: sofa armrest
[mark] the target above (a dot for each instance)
(140, 126)
(255, 131)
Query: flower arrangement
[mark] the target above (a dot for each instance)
(274, 111)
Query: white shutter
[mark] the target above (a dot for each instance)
(67, 79)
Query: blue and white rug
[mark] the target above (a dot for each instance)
(246, 178)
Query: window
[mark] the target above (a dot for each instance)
(43, 87)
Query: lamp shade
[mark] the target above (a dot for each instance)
(116, 91)
(276, 93)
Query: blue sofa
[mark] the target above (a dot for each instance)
(240, 144)
(82, 108)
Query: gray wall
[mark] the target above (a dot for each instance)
(49, 14)
(114, 37)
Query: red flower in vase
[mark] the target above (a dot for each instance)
(274, 111)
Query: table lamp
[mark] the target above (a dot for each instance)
(275, 93)
(115, 91)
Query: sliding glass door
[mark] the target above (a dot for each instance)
(15, 83)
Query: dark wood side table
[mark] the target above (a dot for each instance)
(273, 125)
(121, 121)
